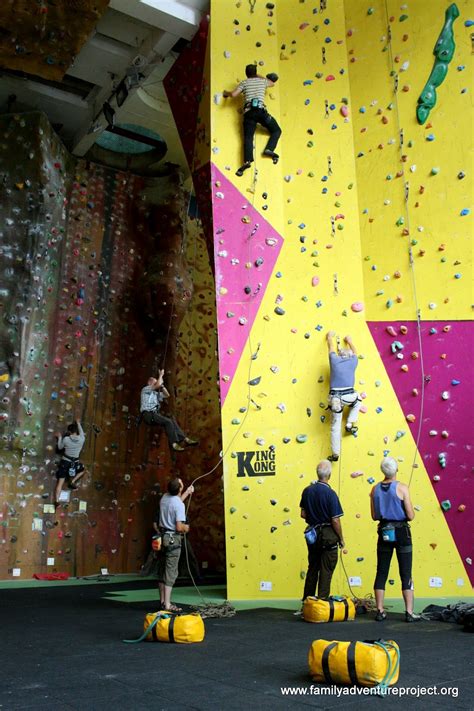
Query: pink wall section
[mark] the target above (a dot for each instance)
(247, 242)
(447, 356)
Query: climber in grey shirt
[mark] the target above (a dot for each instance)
(343, 363)
(151, 398)
(70, 467)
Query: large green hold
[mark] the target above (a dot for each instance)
(443, 51)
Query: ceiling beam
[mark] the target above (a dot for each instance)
(169, 15)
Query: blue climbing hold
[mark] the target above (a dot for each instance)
(469, 23)
(278, 275)
(457, 275)
(324, 191)
(307, 82)
(455, 382)
(378, 410)
(302, 226)
(433, 331)
(465, 212)
(362, 110)
(430, 137)
(307, 101)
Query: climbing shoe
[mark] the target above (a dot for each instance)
(271, 154)
(177, 447)
(411, 617)
(380, 616)
(333, 458)
(243, 168)
(351, 430)
(191, 442)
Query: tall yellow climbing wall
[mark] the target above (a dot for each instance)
(294, 248)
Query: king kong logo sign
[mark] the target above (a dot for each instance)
(260, 463)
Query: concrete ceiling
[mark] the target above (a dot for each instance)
(132, 42)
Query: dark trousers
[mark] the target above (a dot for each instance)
(322, 560)
(252, 117)
(172, 429)
(404, 549)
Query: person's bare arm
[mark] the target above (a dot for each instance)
(350, 343)
(372, 507)
(336, 524)
(182, 527)
(330, 341)
(409, 510)
(226, 94)
(187, 492)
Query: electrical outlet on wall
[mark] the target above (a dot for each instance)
(436, 582)
(265, 585)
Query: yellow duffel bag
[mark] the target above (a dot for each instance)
(316, 610)
(162, 627)
(367, 663)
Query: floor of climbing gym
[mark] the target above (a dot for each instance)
(65, 652)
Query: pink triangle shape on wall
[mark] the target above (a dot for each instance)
(246, 248)
(447, 356)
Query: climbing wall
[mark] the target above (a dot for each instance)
(94, 289)
(307, 246)
(187, 87)
(197, 401)
(415, 188)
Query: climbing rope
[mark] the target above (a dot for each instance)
(410, 251)
(225, 609)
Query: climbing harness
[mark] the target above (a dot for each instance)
(254, 104)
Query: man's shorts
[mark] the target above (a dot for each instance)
(68, 470)
(168, 559)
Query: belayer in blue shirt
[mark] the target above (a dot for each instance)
(391, 505)
(322, 511)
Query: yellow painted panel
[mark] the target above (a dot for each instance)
(302, 190)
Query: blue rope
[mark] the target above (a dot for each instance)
(159, 616)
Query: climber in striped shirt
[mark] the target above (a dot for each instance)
(255, 112)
